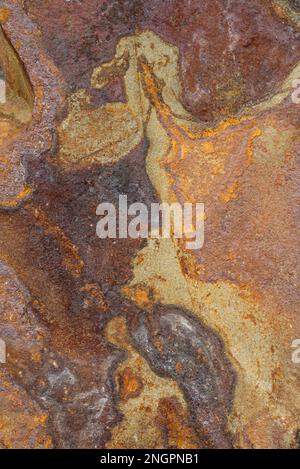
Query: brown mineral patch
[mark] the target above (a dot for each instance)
(221, 45)
(226, 49)
(141, 295)
(138, 428)
(231, 193)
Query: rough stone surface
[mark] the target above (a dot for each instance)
(134, 343)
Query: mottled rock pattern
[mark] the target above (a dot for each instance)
(131, 343)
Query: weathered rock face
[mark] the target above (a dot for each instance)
(134, 343)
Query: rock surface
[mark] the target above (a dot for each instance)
(134, 343)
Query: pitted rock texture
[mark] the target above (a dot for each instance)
(178, 347)
(142, 343)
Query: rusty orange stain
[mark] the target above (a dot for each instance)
(129, 384)
(250, 150)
